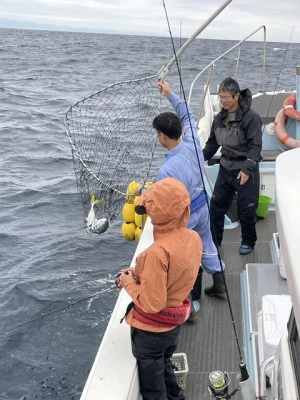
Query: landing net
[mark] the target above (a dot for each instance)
(112, 143)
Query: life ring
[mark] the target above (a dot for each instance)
(289, 107)
(281, 132)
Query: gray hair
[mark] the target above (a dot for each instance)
(229, 85)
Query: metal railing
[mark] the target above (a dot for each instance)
(212, 64)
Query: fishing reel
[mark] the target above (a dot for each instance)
(117, 281)
(218, 385)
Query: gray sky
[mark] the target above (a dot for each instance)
(238, 20)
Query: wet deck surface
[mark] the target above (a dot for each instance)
(210, 343)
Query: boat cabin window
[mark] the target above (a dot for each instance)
(294, 342)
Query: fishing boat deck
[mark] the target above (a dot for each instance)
(210, 343)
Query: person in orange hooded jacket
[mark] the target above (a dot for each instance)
(159, 286)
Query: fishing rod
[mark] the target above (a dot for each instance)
(57, 310)
(165, 69)
(184, 97)
(276, 84)
(218, 381)
(180, 58)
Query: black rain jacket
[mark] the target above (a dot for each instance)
(240, 141)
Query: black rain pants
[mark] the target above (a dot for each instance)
(227, 185)
(156, 375)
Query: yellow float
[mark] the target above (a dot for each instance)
(132, 227)
(138, 233)
(128, 230)
(130, 190)
(128, 212)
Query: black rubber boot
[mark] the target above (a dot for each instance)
(218, 288)
(197, 288)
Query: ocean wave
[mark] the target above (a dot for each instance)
(4, 236)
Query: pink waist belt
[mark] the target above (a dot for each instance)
(167, 317)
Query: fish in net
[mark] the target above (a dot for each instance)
(112, 144)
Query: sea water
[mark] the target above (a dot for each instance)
(55, 296)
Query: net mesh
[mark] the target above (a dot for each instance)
(112, 143)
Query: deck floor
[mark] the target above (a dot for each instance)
(210, 343)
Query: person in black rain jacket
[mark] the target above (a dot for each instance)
(237, 129)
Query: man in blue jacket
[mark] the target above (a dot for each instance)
(237, 129)
(183, 161)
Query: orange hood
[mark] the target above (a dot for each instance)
(168, 205)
